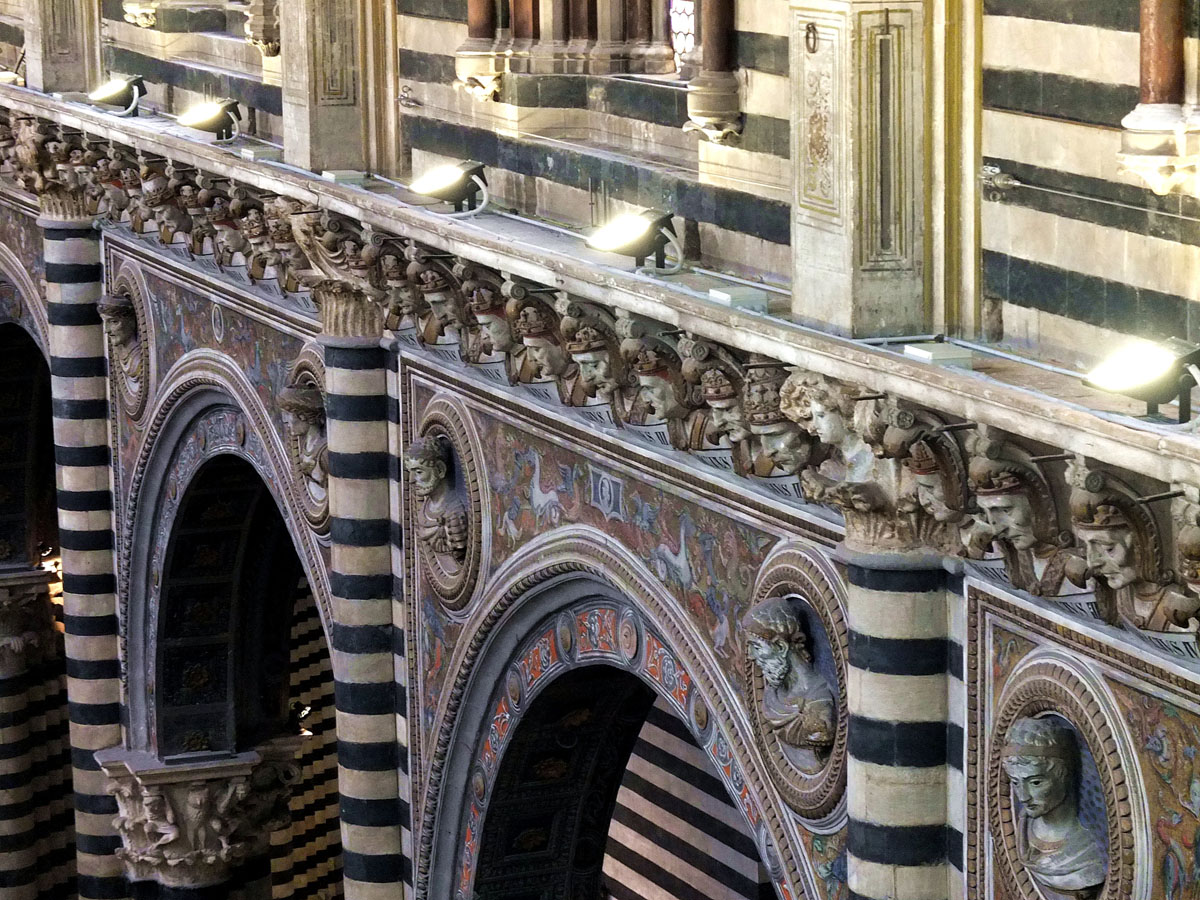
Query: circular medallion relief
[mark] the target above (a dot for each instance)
(123, 311)
(1060, 814)
(443, 486)
(795, 640)
(302, 403)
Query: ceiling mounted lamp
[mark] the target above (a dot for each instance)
(1152, 372)
(641, 235)
(220, 117)
(458, 183)
(122, 92)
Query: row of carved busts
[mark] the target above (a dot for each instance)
(902, 476)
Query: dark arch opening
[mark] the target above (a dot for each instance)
(229, 582)
(604, 794)
(28, 513)
(547, 822)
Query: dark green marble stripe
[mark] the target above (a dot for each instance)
(763, 52)
(1058, 96)
(174, 21)
(1093, 200)
(451, 10)
(624, 180)
(11, 35)
(430, 68)
(1118, 15)
(1086, 298)
(267, 98)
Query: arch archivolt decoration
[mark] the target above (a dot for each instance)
(805, 753)
(21, 300)
(129, 330)
(1050, 684)
(205, 408)
(627, 620)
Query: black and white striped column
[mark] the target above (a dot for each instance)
(81, 453)
(24, 625)
(898, 707)
(372, 813)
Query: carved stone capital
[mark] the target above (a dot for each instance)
(345, 311)
(262, 26)
(26, 622)
(189, 825)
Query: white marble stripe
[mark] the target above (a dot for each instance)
(889, 882)
(767, 94)
(681, 788)
(354, 498)
(351, 435)
(1110, 253)
(78, 292)
(957, 707)
(364, 729)
(956, 798)
(430, 35)
(897, 698)
(763, 16)
(73, 251)
(356, 382)
(685, 831)
(899, 615)
(644, 847)
(1058, 48)
(684, 750)
(893, 795)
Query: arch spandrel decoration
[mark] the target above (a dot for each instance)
(203, 409)
(1047, 686)
(21, 300)
(129, 334)
(615, 614)
(815, 788)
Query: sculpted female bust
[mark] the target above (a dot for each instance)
(1041, 757)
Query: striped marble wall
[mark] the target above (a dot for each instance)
(306, 860)
(674, 833)
(1081, 252)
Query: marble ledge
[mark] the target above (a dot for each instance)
(529, 250)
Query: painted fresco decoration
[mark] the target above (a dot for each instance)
(587, 634)
(706, 560)
(1167, 737)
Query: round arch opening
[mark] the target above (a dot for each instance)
(229, 584)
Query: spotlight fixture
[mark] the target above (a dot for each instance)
(1153, 372)
(457, 183)
(220, 117)
(7, 76)
(125, 92)
(640, 235)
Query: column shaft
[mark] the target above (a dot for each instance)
(81, 451)
(481, 19)
(1162, 51)
(897, 694)
(717, 34)
(372, 814)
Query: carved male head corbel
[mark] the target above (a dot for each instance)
(781, 444)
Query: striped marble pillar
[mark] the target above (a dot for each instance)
(897, 693)
(24, 629)
(81, 450)
(372, 814)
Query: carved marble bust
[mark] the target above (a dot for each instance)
(441, 516)
(304, 412)
(545, 360)
(1041, 758)
(797, 703)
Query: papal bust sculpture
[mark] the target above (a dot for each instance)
(797, 703)
(1041, 758)
(441, 517)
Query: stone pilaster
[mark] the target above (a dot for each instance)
(187, 828)
(859, 231)
(897, 698)
(323, 94)
(374, 820)
(79, 390)
(25, 633)
(62, 45)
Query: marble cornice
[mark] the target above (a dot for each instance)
(527, 251)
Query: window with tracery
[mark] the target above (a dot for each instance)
(683, 28)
